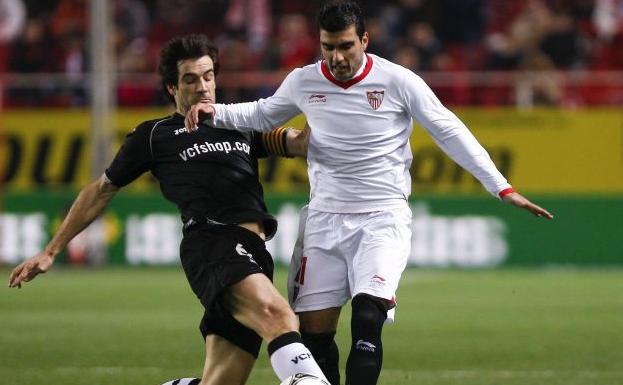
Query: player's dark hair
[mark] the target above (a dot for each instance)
(181, 48)
(339, 15)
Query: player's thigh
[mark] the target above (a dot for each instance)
(320, 279)
(382, 253)
(226, 363)
(257, 304)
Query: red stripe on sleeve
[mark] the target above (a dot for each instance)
(506, 191)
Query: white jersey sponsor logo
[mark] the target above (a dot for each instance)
(317, 98)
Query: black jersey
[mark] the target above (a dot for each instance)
(209, 173)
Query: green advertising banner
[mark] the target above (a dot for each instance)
(569, 161)
(467, 232)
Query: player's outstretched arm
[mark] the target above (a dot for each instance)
(91, 201)
(297, 141)
(518, 200)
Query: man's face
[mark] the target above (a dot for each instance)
(343, 51)
(196, 83)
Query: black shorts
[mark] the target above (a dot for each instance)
(215, 257)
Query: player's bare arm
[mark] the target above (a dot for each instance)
(91, 201)
(197, 113)
(297, 141)
(518, 200)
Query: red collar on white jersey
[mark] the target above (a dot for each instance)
(327, 74)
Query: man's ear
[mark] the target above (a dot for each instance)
(364, 40)
(172, 90)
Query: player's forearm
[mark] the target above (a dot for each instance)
(91, 201)
(465, 150)
(244, 117)
(262, 115)
(451, 134)
(240, 117)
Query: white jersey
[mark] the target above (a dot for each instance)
(359, 154)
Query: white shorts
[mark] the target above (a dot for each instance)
(338, 256)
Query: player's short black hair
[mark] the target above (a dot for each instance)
(338, 15)
(181, 48)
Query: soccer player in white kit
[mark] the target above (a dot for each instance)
(357, 232)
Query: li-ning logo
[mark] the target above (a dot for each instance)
(378, 277)
(375, 98)
(364, 345)
(241, 251)
(301, 357)
(317, 98)
(377, 280)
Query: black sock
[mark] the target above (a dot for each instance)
(325, 351)
(366, 353)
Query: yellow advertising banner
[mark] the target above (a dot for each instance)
(540, 151)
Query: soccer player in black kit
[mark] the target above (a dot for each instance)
(211, 175)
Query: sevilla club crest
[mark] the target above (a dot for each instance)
(375, 98)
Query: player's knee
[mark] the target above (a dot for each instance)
(368, 312)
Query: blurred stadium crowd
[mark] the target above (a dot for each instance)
(427, 36)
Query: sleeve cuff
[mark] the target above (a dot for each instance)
(505, 192)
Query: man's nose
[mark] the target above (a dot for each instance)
(337, 56)
(203, 85)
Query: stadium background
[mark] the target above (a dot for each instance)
(540, 83)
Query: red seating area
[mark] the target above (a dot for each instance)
(427, 36)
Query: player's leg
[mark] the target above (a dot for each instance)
(380, 257)
(255, 303)
(318, 332)
(230, 271)
(365, 359)
(317, 286)
(226, 363)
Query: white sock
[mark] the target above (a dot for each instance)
(289, 356)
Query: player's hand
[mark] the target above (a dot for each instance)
(197, 113)
(29, 269)
(516, 199)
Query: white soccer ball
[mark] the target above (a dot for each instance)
(304, 379)
(183, 381)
